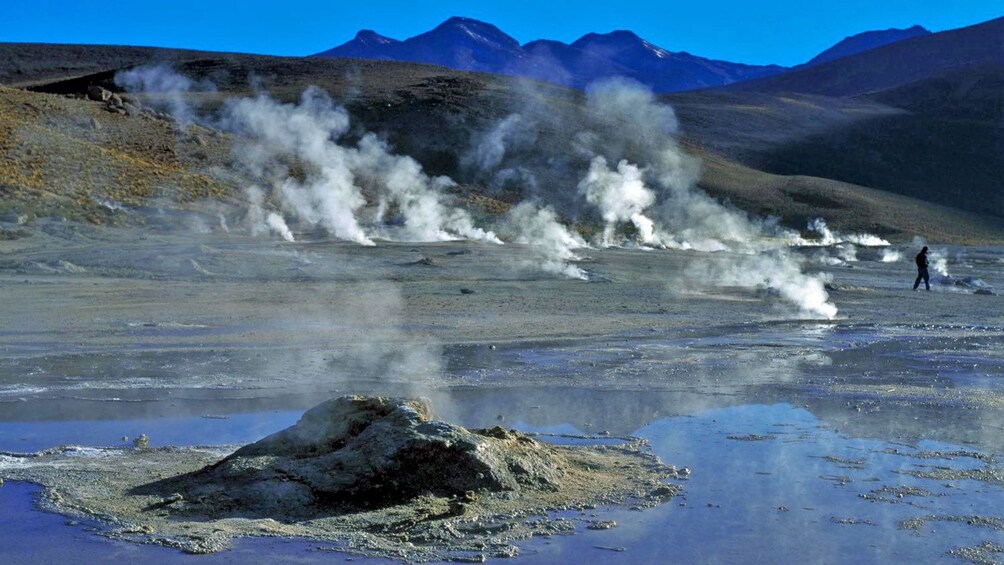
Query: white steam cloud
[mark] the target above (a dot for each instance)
(891, 256)
(259, 221)
(829, 237)
(620, 195)
(551, 242)
(164, 87)
(309, 173)
(658, 195)
(332, 181)
(939, 261)
(278, 225)
(775, 272)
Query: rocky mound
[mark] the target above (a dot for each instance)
(373, 476)
(363, 452)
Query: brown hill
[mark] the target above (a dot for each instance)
(64, 155)
(73, 158)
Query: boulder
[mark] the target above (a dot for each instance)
(98, 94)
(367, 452)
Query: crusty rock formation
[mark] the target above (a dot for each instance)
(363, 452)
(376, 476)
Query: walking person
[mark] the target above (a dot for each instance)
(922, 270)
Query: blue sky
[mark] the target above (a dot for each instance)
(766, 31)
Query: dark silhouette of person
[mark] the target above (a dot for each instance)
(922, 270)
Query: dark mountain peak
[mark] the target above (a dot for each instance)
(461, 21)
(543, 43)
(370, 37)
(866, 41)
(472, 45)
(471, 30)
(621, 44)
(618, 36)
(367, 44)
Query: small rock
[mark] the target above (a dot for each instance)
(98, 94)
(1, 482)
(14, 218)
(141, 442)
(467, 291)
(664, 490)
(602, 524)
(491, 347)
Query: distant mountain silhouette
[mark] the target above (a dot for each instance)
(892, 65)
(470, 45)
(864, 41)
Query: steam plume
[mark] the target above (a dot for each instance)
(621, 196)
(829, 237)
(166, 87)
(329, 190)
(550, 241)
(663, 202)
(891, 256)
(259, 221)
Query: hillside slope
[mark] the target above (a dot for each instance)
(27, 64)
(868, 40)
(55, 161)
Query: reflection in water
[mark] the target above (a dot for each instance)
(826, 419)
(769, 483)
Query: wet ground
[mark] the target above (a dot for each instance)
(874, 437)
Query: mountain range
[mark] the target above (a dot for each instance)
(470, 45)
